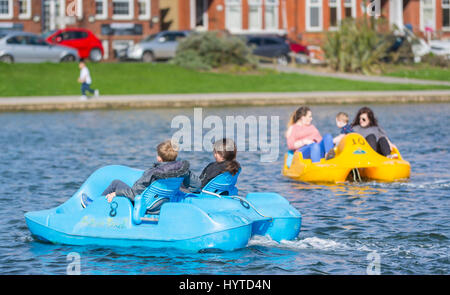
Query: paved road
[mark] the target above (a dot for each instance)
(380, 79)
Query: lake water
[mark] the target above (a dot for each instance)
(346, 229)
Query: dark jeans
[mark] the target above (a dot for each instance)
(381, 146)
(116, 184)
(86, 87)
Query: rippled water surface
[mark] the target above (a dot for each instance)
(45, 157)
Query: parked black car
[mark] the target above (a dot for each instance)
(271, 47)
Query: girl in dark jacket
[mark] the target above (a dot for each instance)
(225, 155)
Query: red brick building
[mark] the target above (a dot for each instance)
(115, 22)
(307, 19)
(120, 22)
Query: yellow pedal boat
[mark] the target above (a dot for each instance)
(352, 152)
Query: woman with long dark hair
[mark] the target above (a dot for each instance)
(225, 155)
(366, 124)
(305, 137)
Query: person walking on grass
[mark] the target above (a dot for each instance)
(86, 81)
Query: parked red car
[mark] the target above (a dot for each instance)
(87, 44)
(297, 48)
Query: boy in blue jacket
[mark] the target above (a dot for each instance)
(166, 167)
(344, 125)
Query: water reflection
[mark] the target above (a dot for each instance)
(349, 189)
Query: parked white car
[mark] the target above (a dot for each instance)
(28, 47)
(159, 46)
(440, 47)
(421, 47)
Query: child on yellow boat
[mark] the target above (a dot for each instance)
(366, 124)
(305, 137)
(342, 123)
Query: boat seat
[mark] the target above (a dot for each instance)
(154, 196)
(222, 184)
(155, 208)
(290, 157)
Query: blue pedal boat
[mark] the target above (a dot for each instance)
(165, 217)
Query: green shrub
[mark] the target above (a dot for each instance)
(436, 60)
(190, 59)
(208, 50)
(404, 54)
(356, 47)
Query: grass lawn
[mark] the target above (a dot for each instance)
(419, 71)
(138, 78)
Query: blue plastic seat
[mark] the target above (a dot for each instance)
(151, 200)
(290, 157)
(222, 184)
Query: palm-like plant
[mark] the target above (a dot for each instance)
(356, 47)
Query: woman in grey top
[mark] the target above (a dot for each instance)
(366, 124)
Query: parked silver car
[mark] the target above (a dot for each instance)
(162, 45)
(28, 47)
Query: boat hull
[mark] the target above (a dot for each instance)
(194, 223)
(353, 152)
(226, 240)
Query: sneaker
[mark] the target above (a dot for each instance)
(85, 200)
(83, 97)
(330, 155)
(96, 93)
(392, 156)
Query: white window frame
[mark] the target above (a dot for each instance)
(193, 14)
(259, 15)
(105, 44)
(130, 10)
(79, 9)
(230, 3)
(337, 5)
(26, 15)
(276, 6)
(422, 7)
(148, 5)
(352, 5)
(58, 16)
(104, 14)
(10, 14)
(445, 6)
(310, 5)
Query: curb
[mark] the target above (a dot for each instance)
(60, 103)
